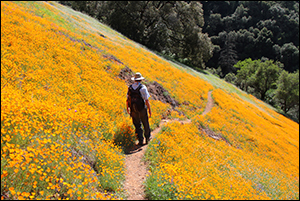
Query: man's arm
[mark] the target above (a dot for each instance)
(127, 106)
(128, 102)
(145, 95)
(148, 106)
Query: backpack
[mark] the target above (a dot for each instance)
(136, 102)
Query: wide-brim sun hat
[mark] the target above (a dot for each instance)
(137, 76)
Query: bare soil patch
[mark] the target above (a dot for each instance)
(156, 91)
(209, 104)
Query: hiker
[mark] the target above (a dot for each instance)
(137, 104)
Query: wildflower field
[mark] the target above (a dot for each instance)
(64, 125)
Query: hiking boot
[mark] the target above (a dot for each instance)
(148, 139)
(140, 143)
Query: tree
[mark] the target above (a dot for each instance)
(170, 27)
(246, 69)
(79, 5)
(186, 38)
(263, 43)
(290, 57)
(127, 18)
(265, 77)
(287, 92)
(260, 75)
(228, 55)
(214, 24)
(230, 77)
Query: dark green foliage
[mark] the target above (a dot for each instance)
(267, 81)
(230, 77)
(245, 70)
(265, 77)
(263, 29)
(261, 76)
(173, 28)
(177, 28)
(228, 54)
(287, 93)
(290, 56)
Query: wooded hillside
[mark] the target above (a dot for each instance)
(237, 29)
(252, 29)
(217, 36)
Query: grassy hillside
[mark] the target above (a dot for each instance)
(64, 126)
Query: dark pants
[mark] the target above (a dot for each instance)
(139, 118)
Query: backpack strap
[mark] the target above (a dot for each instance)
(137, 89)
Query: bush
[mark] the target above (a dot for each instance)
(125, 137)
(230, 77)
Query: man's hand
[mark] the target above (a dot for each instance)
(128, 110)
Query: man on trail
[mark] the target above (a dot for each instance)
(137, 104)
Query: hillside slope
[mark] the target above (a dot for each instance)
(63, 110)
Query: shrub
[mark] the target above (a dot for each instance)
(125, 137)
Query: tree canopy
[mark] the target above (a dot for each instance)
(287, 93)
(173, 28)
(262, 29)
(206, 33)
(261, 76)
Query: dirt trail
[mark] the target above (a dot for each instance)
(209, 104)
(136, 168)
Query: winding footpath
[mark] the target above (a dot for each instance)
(209, 104)
(136, 168)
